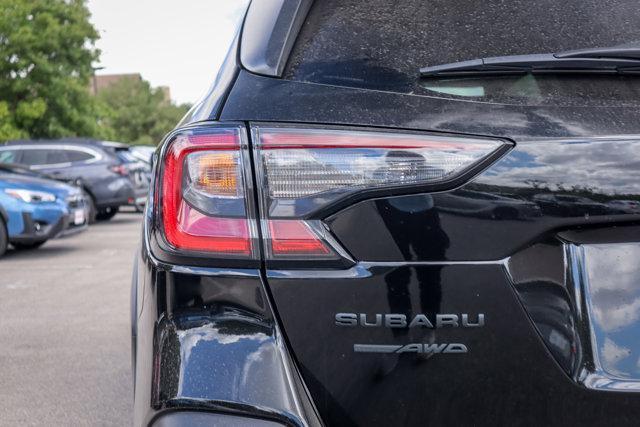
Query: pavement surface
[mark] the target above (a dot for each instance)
(64, 329)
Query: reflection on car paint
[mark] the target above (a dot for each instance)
(613, 302)
(527, 193)
(248, 368)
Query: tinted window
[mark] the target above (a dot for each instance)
(34, 157)
(44, 156)
(8, 156)
(78, 156)
(381, 44)
(57, 156)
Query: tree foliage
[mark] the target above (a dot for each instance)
(47, 48)
(46, 55)
(137, 113)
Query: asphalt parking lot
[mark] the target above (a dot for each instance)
(64, 329)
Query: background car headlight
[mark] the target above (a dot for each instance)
(30, 196)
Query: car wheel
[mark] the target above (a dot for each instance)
(107, 213)
(27, 246)
(4, 238)
(93, 212)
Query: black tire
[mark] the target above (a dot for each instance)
(93, 211)
(107, 213)
(28, 246)
(4, 238)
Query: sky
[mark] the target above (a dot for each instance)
(175, 43)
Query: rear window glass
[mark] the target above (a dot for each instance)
(381, 45)
(78, 156)
(57, 156)
(44, 156)
(35, 157)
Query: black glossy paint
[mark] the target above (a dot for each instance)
(610, 310)
(587, 317)
(248, 369)
(538, 187)
(507, 375)
(206, 339)
(260, 98)
(565, 173)
(542, 243)
(522, 209)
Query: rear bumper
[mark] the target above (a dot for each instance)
(218, 357)
(139, 196)
(36, 231)
(120, 193)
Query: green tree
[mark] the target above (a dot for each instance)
(46, 55)
(136, 113)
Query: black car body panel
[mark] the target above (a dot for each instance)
(504, 277)
(183, 315)
(260, 98)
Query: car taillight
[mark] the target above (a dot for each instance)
(207, 201)
(302, 171)
(120, 170)
(204, 197)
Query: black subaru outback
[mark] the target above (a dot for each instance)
(400, 213)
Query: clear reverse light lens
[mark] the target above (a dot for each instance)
(305, 169)
(307, 172)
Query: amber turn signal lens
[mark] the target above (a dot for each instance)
(214, 173)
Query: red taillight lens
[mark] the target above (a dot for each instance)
(204, 206)
(295, 238)
(120, 170)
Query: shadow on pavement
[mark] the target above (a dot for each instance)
(121, 218)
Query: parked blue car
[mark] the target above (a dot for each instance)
(34, 210)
